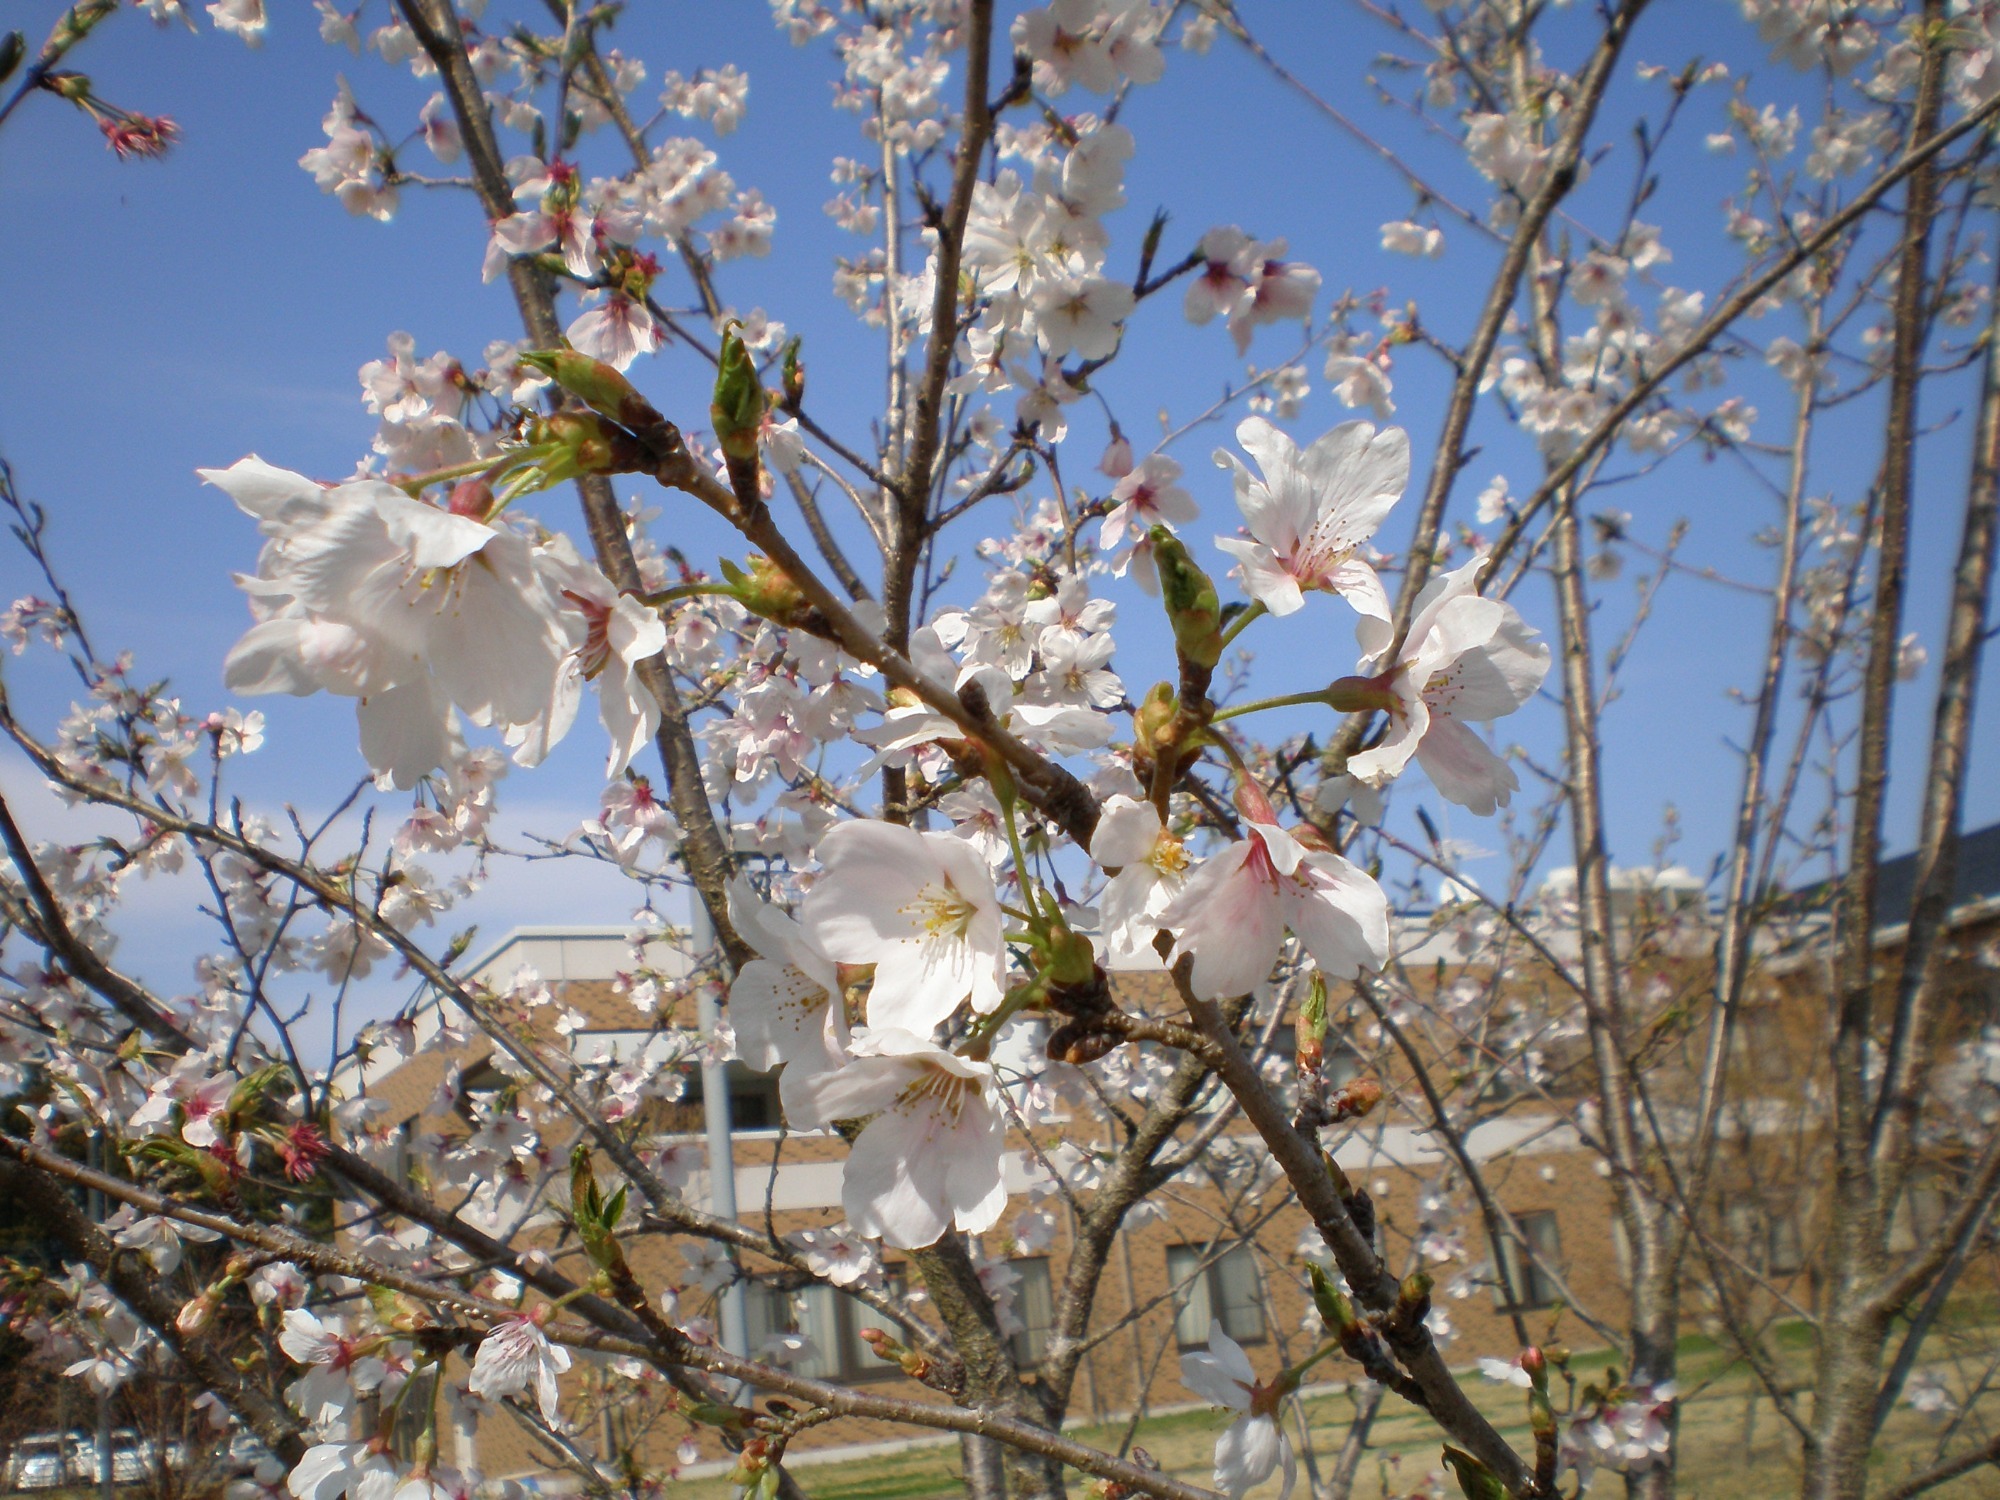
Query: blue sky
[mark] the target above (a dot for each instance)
(164, 316)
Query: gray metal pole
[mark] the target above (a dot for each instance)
(735, 1330)
(105, 1476)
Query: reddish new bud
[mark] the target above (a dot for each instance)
(472, 498)
(303, 1149)
(751, 1463)
(139, 135)
(1355, 1098)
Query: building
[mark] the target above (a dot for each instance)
(1221, 1243)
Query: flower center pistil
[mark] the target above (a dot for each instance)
(941, 912)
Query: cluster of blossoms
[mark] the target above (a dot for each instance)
(421, 612)
(1625, 1430)
(350, 1364)
(902, 971)
(593, 229)
(425, 599)
(923, 913)
(1037, 286)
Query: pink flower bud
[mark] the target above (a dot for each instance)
(197, 1314)
(472, 498)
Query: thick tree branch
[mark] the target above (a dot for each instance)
(703, 847)
(1309, 1171)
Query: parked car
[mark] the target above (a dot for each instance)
(132, 1457)
(50, 1460)
(47, 1461)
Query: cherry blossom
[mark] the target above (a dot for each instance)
(160, 1240)
(1505, 1371)
(929, 1160)
(1406, 238)
(1253, 1446)
(612, 633)
(358, 1471)
(1058, 38)
(349, 165)
(1069, 615)
(1232, 912)
(784, 1004)
(1627, 1435)
(1083, 318)
(1275, 291)
(515, 1355)
(1220, 284)
(1360, 377)
(1464, 658)
(838, 1254)
(1150, 867)
(1311, 511)
(1144, 497)
(244, 18)
(617, 330)
(408, 608)
(922, 909)
(1076, 671)
(343, 1367)
(717, 95)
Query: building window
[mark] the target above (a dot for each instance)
(753, 1104)
(829, 1320)
(1490, 1077)
(1034, 1305)
(1210, 1288)
(482, 1083)
(753, 1100)
(1523, 1283)
(1785, 1250)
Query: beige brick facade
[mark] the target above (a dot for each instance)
(1231, 1255)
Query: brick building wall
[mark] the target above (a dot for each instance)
(1230, 1253)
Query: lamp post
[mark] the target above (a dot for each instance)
(735, 1330)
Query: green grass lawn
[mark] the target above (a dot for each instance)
(1734, 1445)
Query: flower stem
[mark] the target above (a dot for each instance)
(685, 591)
(1325, 1351)
(1242, 622)
(1287, 700)
(414, 484)
(1037, 919)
